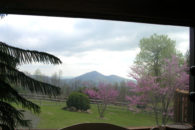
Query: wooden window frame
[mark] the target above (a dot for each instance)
(192, 78)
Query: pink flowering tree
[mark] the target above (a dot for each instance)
(104, 95)
(157, 93)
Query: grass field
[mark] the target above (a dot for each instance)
(53, 116)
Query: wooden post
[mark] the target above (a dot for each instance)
(191, 113)
(181, 109)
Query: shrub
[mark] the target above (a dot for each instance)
(141, 106)
(78, 100)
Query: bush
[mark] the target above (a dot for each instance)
(141, 106)
(78, 100)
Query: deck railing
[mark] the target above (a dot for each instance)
(181, 106)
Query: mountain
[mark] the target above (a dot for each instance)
(92, 77)
(97, 77)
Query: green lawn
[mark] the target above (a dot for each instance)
(53, 116)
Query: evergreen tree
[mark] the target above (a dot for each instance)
(10, 58)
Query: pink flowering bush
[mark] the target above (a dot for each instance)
(104, 95)
(157, 93)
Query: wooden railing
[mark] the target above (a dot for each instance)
(181, 106)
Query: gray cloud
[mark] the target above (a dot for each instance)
(83, 44)
(88, 35)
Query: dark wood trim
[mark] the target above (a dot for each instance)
(192, 78)
(158, 12)
(166, 12)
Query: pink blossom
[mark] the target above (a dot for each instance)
(105, 93)
(158, 91)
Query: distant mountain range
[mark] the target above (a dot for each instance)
(97, 77)
(92, 77)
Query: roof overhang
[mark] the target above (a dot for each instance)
(159, 12)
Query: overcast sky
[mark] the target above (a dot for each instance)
(84, 45)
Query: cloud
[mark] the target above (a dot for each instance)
(84, 44)
(106, 62)
(182, 40)
(76, 35)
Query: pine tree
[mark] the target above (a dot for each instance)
(10, 58)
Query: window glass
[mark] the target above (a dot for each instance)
(123, 73)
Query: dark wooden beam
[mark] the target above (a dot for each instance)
(159, 12)
(191, 113)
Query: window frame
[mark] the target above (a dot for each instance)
(191, 113)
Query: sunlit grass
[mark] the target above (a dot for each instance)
(53, 116)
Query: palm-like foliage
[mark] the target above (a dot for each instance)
(10, 57)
